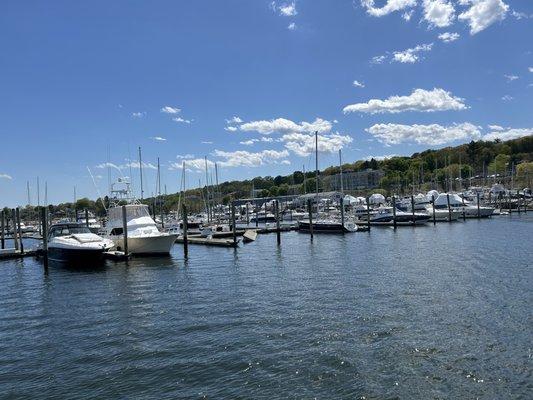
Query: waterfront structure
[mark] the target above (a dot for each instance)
(367, 179)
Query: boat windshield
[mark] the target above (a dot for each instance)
(132, 212)
(65, 230)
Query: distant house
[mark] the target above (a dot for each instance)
(367, 179)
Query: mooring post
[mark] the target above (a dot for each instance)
(256, 215)
(509, 202)
(125, 230)
(394, 211)
(449, 207)
(413, 208)
(19, 228)
(87, 217)
(342, 213)
(310, 210)
(247, 215)
(14, 220)
(233, 228)
(368, 212)
(2, 232)
(278, 232)
(44, 230)
(433, 202)
(478, 209)
(185, 225)
(518, 203)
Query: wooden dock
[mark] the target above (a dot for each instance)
(9, 254)
(208, 241)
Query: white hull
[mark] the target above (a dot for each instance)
(146, 244)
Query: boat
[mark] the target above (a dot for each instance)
(144, 237)
(326, 226)
(249, 236)
(387, 216)
(74, 242)
(263, 217)
(460, 205)
(442, 215)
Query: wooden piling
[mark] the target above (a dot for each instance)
(394, 212)
(413, 209)
(87, 217)
(433, 202)
(19, 229)
(256, 216)
(2, 232)
(310, 210)
(44, 230)
(14, 222)
(125, 230)
(185, 228)
(247, 215)
(233, 227)
(342, 212)
(478, 209)
(449, 207)
(278, 231)
(509, 202)
(368, 212)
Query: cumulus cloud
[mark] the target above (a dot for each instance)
(378, 59)
(131, 164)
(170, 110)
(389, 7)
(242, 158)
(508, 134)
(185, 156)
(234, 120)
(507, 98)
(287, 9)
(448, 37)
(6, 176)
(433, 134)
(358, 84)
(483, 13)
(291, 26)
(283, 125)
(496, 127)
(139, 114)
(182, 120)
(231, 128)
(381, 158)
(419, 100)
(192, 164)
(158, 138)
(411, 55)
(511, 78)
(530, 69)
(439, 13)
(304, 144)
(407, 15)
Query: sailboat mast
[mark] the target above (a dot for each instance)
(38, 193)
(340, 165)
(207, 191)
(305, 189)
(28, 190)
(316, 166)
(141, 172)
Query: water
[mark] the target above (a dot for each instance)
(430, 312)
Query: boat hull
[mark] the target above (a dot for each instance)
(323, 227)
(76, 256)
(146, 245)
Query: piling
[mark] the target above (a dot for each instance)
(14, 222)
(394, 211)
(509, 202)
(413, 208)
(185, 227)
(87, 217)
(449, 207)
(256, 216)
(233, 227)
(278, 231)
(125, 230)
(19, 230)
(247, 215)
(310, 210)
(342, 213)
(2, 232)
(44, 230)
(464, 212)
(368, 212)
(433, 202)
(478, 209)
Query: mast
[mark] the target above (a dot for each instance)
(217, 190)
(316, 167)
(28, 191)
(46, 193)
(38, 193)
(305, 189)
(340, 165)
(141, 172)
(207, 191)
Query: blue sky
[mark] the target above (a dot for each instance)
(246, 82)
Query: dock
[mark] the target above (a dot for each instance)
(208, 241)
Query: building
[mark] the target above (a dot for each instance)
(367, 179)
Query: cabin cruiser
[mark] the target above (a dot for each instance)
(459, 204)
(387, 216)
(443, 215)
(263, 217)
(327, 226)
(74, 242)
(143, 235)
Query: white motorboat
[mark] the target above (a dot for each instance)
(75, 243)
(387, 216)
(462, 206)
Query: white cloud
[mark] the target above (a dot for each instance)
(6, 176)
(139, 114)
(508, 134)
(511, 78)
(243, 158)
(283, 125)
(263, 139)
(378, 59)
(389, 7)
(248, 142)
(358, 84)
(132, 164)
(158, 138)
(292, 26)
(483, 13)
(423, 134)
(407, 15)
(304, 144)
(206, 142)
(411, 55)
(520, 15)
(530, 69)
(185, 156)
(182, 120)
(448, 37)
(192, 164)
(496, 127)
(380, 158)
(507, 98)
(170, 110)
(230, 128)
(287, 9)
(234, 120)
(439, 13)
(419, 100)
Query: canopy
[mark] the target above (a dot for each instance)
(455, 200)
(377, 198)
(432, 193)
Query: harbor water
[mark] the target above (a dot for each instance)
(439, 311)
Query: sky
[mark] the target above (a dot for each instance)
(246, 83)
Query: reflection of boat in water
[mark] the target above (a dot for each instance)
(74, 242)
(326, 226)
(386, 216)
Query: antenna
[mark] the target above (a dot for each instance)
(141, 172)
(96, 187)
